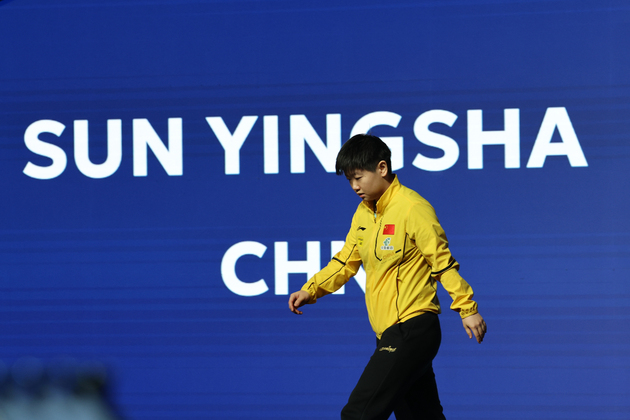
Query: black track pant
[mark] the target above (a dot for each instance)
(399, 376)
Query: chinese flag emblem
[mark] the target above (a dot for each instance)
(389, 229)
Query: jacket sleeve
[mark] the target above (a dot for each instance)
(430, 239)
(343, 266)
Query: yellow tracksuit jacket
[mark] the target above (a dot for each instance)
(404, 251)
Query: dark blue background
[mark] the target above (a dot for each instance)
(126, 270)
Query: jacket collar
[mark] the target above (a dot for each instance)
(386, 198)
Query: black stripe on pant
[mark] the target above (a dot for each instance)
(399, 376)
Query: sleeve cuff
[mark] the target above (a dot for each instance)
(310, 288)
(466, 312)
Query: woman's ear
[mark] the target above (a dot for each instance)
(382, 169)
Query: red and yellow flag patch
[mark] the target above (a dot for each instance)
(389, 229)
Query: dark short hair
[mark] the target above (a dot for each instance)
(363, 152)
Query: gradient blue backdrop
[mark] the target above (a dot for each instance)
(127, 270)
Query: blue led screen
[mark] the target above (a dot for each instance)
(167, 174)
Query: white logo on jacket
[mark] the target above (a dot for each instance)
(386, 245)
